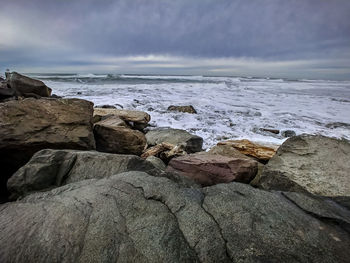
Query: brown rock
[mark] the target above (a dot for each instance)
(112, 135)
(187, 109)
(275, 131)
(207, 169)
(126, 115)
(25, 86)
(229, 151)
(165, 151)
(29, 125)
(246, 147)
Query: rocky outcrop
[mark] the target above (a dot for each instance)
(27, 87)
(191, 143)
(314, 164)
(54, 168)
(29, 125)
(134, 217)
(113, 135)
(207, 169)
(187, 109)
(246, 147)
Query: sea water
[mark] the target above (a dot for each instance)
(227, 107)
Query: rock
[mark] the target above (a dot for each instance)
(25, 86)
(165, 151)
(157, 162)
(274, 131)
(5, 91)
(187, 109)
(108, 107)
(313, 164)
(192, 143)
(229, 151)
(54, 96)
(334, 125)
(246, 147)
(134, 217)
(207, 169)
(126, 115)
(29, 125)
(53, 168)
(112, 135)
(288, 133)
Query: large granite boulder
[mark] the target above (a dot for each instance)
(53, 168)
(314, 164)
(113, 135)
(208, 169)
(27, 87)
(29, 125)
(134, 217)
(192, 143)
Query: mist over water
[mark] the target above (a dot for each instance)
(228, 107)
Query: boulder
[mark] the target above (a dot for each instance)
(157, 162)
(52, 168)
(29, 125)
(25, 86)
(310, 163)
(126, 115)
(187, 109)
(207, 169)
(229, 151)
(112, 135)
(134, 217)
(192, 143)
(246, 147)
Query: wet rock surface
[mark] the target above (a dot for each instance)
(136, 217)
(29, 125)
(310, 163)
(192, 143)
(208, 169)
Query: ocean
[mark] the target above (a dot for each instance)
(227, 107)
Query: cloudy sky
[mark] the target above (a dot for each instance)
(274, 38)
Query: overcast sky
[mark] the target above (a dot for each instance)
(272, 38)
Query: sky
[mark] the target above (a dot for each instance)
(270, 38)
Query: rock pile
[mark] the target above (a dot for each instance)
(75, 204)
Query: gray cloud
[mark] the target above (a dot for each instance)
(50, 33)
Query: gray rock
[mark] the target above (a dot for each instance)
(186, 109)
(157, 162)
(192, 143)
(314, 164)
(288, 133)
(30, 125)
(134, 217)
(25, 86)
(52, 168)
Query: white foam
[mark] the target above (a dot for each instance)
(230, 108)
